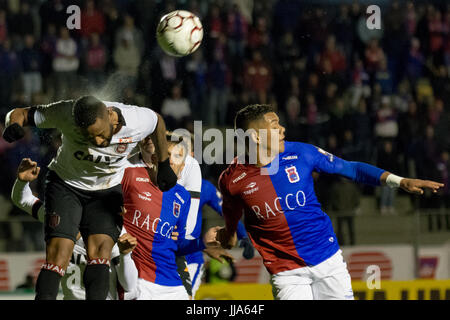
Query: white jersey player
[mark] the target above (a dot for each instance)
(189, 176)
(83, 192)
(72, 281)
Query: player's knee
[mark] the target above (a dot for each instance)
(59, 251)
(100, 246)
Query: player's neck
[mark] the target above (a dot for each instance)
(147, 158)
(117, 124)
(264, 157)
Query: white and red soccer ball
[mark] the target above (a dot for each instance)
(179, 33)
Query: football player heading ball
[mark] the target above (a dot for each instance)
(83, 192)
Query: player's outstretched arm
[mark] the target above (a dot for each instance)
(368, 174)
(21, 194)
(415, 186)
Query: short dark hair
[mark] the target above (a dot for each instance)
(86, 110)
(249, 114)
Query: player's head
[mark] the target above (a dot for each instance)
(178, 150)
(93, 118)
(262, 124)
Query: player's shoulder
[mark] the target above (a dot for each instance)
(179, 192)
(297, 146)
(191, 175)
(191, 163)
(235, 172)
(134, 115)
(304, 150)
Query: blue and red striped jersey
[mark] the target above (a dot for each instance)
(282, 215)
(151, 216)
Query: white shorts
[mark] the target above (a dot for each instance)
(196, 271)
(147, 290)
(328, 280)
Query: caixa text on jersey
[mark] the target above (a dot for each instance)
(82, 156)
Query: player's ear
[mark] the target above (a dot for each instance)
(254, 136)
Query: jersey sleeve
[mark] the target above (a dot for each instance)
(147, 119)
(215, 199)
(23, 198)
(127, 273)
(186, 244)
(357, 171)
(53, 115)
(194, 187)
(232, 206)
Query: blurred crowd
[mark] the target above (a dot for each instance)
(378, 96)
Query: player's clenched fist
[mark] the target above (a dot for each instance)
(28, 170)
(166, 178)
(126, 243)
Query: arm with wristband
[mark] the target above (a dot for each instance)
(368, 174)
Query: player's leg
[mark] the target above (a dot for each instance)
(196, 271)
(96, 274)
(183, 271)
(63, 214)
(292, 285)
(332, 280)
(100, 227)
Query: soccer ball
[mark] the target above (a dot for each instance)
(179, 33)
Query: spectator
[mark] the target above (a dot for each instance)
(197, 69)
(237, 32)
(437, 31)
(175, 109)
(53, 12)
(95, 60)
(218, 81)
(10, 68)
(384, 78)
(411, 19)
(259, 37)
(334, 55)
(92, 20)
(23, 21)
(362, 128)
(4, 28)
(48, 49)
(293, 125)
(415, 62)
(386, 125)
(127, 59)
(258, 77)
(131, 33)
(65, 65)
(388, 160)
(374, 54)
(31, 59)
(345, 199)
